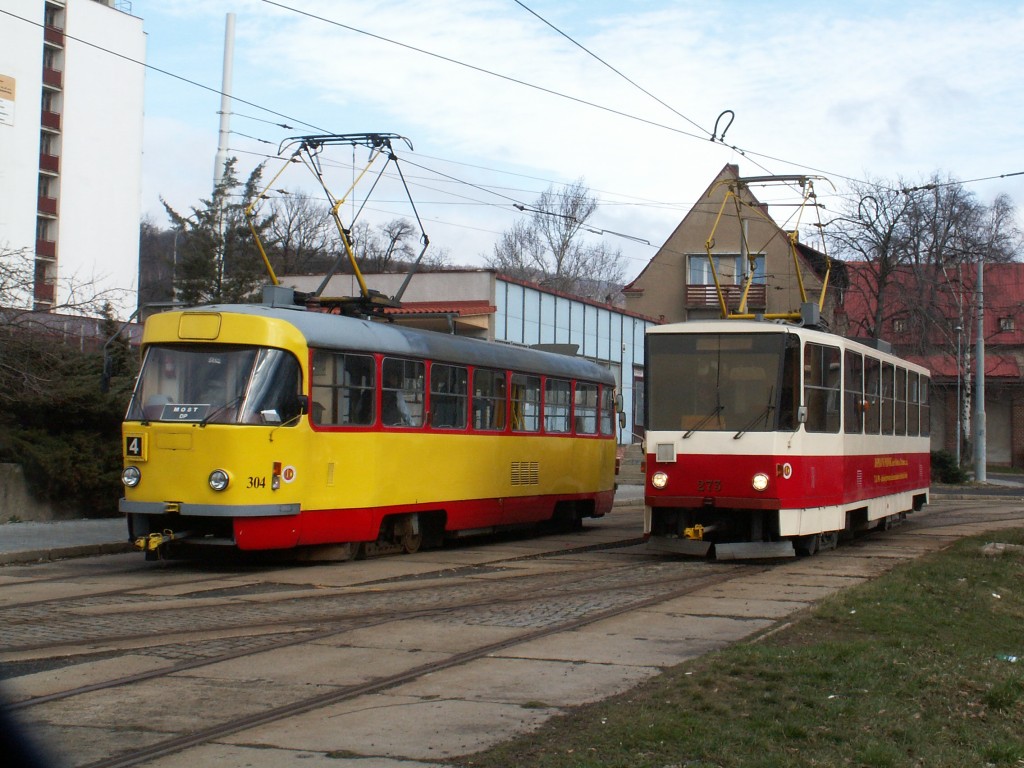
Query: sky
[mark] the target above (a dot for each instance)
(502, 100)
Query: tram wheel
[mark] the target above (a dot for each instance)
(411, 542)
(808, 545)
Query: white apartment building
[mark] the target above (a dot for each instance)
(71, 109)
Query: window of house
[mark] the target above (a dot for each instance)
(1006, 324)
(731, 269)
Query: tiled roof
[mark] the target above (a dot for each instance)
(460, 308)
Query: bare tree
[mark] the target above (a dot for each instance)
(550, 249)
(303, 235)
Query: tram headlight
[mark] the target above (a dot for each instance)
(131, 476)
(219, 479)
(760, 481)
(659, 480)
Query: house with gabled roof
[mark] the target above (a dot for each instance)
(733, 226)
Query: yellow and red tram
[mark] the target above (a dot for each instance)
(263, 427)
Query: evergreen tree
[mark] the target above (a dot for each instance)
(217, 257)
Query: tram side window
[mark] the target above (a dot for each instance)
(556, 405)
(926, 419)
(343, 389)
(449, 395)
(401, 393)
(913, 409)
(586, 409)
(901, 401)
(821, 387)
(888, 398)
(489, 400)
(607, 411)
(853, 393)
(872, 395)
(525, 403)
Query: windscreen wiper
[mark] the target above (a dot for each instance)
(715, 411)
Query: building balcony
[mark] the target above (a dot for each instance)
(44, 293)
(49, 163)
(706, 297)
(47, 205)
(54, 36)
(46, 250)
(50, 120)
(53, 78)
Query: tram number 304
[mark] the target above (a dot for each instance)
(257, 482)
(709, 486)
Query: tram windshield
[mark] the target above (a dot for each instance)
(217, 384)
(737, 382)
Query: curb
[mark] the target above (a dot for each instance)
(64, 553)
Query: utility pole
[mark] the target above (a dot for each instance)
(225, 101)
(980, 457)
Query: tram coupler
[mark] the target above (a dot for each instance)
(696, 533)
(154, 541)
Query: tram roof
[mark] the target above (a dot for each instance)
(329, 331)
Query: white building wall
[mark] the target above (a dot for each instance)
(21, 66)
(101, 153)
(100, 144)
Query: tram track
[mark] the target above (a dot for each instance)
(327, 627)
(140, 756)
(518, 594)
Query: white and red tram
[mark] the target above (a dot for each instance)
(764, 438)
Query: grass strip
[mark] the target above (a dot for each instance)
(911, 669)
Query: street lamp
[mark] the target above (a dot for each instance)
(959, 335)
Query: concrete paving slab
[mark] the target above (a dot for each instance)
(427, 730)
(700, 605)
(87, 673)
(750, 588)
(263, 757)
(428, 634)
(643, 639)
(169, 705)
(530, 682)
(327, 665)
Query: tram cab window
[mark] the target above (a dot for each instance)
(343, 389)
(401, 403)
(525, 403)
(274, 390)
(449, 396)
(556, 406)
(702, 382)
(586, 409)
(217, 384)
(821, 387)
(853, 393)
(607, 411)
(489, 395)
